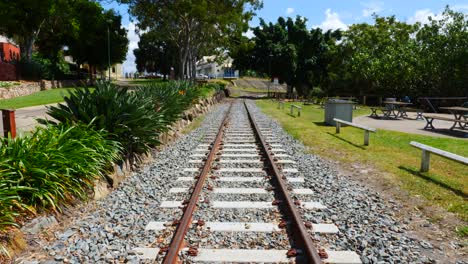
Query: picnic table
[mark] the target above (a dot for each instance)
(396, 109)
(458, 112)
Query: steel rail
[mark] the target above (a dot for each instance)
(172, 255)
(299, 230)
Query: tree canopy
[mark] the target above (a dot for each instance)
(386, 58)
(81, 25)
(194, 27)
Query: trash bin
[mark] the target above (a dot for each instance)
(340, 109)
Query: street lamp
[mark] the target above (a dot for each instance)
(269, 73)
(109, 21)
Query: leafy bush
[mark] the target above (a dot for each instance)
(7, 84)
(170, 98)
(54, 165)
(128, 117)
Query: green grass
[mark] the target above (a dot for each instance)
(145, 81)
(39, 98)
(445, 185)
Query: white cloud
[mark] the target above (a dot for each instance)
(249, 33)
(129, 64)
(332, 21)
(289, 10)
(422, 16)
(371, 8)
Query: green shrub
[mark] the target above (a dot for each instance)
(54, 165)
(170, 98)
(128, 117)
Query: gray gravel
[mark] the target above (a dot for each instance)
(108, 234)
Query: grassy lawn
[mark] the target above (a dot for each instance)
(446, 184)
(145, 81)
(39, 98)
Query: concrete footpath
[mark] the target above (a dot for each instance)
(413, 126)
(26, 118)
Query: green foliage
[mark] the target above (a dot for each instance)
(129, 118)
(7, 84)
(39, 67)
(53, 166)
(195, 27)
(289, 51)
(155, 55)
(170, 98)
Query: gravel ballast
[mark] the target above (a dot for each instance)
(108, 234)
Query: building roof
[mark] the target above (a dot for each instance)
(4, 39)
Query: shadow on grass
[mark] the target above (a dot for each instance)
(347, 141)
(321, 124)
(435, 181)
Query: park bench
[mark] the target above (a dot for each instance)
(427, 150)
(298, 110)
(280, 105)
(366, 129)
(431, 118)
(386, 112)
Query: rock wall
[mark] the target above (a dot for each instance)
(25, 88)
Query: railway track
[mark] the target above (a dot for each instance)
(241, 203)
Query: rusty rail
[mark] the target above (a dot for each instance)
(299, 230)
(182, 228)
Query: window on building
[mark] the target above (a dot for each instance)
(113, 69)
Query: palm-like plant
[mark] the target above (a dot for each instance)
(55, 164)
(128, 118)
(170, 98)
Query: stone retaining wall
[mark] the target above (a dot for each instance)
(27, 88)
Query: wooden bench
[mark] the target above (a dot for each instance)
(280, 105)
(298, 110)
(431, 118)
(427, 150)
(386, 112)
(366, 129)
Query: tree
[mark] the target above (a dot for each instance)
(90, 45)
(194, 27)
(289, 51)
(381, 57)
(24, 20)
(154, 55)
(442, 67)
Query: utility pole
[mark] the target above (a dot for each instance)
(269, 73)
(108, 48)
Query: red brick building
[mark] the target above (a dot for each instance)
(9, 52)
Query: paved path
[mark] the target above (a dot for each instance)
(26, 118)
(414, 126)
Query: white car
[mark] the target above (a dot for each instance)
(202, 76)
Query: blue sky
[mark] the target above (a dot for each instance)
(330, 14)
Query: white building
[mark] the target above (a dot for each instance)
(209, 67)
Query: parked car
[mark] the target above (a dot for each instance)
(202, 76)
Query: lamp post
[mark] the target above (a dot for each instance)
(108, 48)
(269, 73)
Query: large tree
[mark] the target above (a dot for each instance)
(289, 51)
(154, 55)
(24, 20)
(194, 27)
(91, 43)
